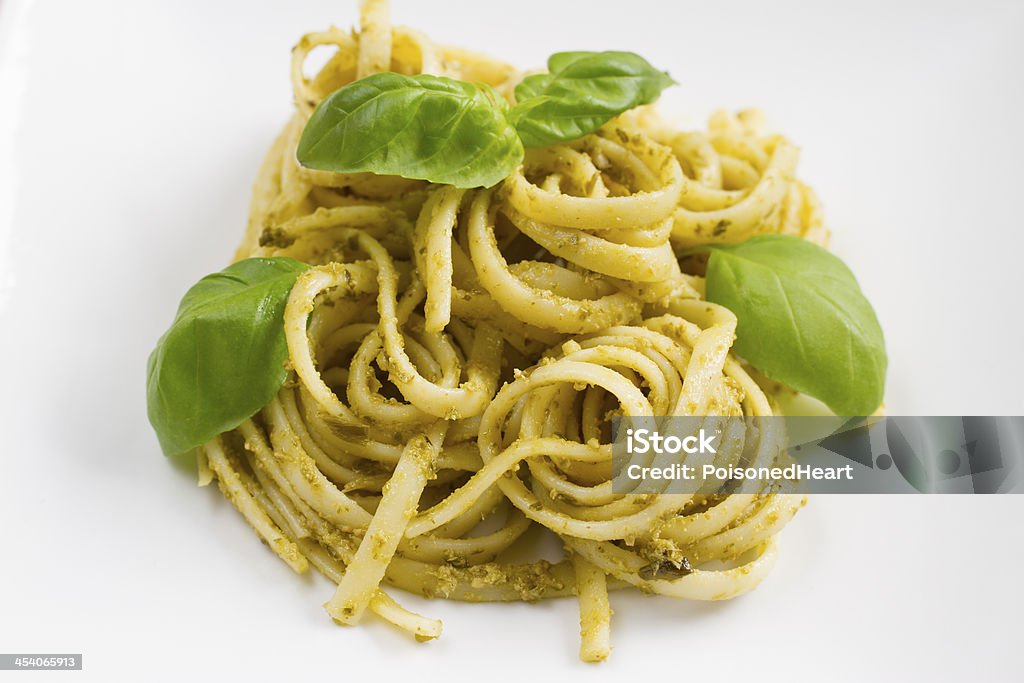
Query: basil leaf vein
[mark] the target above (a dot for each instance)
(421, 127)
(581, 92)
(223, 357)
(802, 319)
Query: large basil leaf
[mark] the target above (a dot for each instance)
(582, 92)
(803, 319)
(223, 357)
(426, 127)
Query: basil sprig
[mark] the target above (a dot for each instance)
(802, 319)
(582, 92)
(223, 357)
(463, 134)
(425, 127)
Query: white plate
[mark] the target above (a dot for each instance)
(130, 133)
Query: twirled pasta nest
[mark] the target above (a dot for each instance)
(457, 356)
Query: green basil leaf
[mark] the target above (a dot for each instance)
(581, 93)
(224, 356)
(424, 127)
(802, 319)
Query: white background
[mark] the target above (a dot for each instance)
(129, 135)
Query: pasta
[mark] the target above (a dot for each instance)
(456, 354)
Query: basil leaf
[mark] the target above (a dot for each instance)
(581, 93)
(803, 319)
(425, 127)
(223, 357)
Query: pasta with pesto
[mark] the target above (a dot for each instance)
(455, 355)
